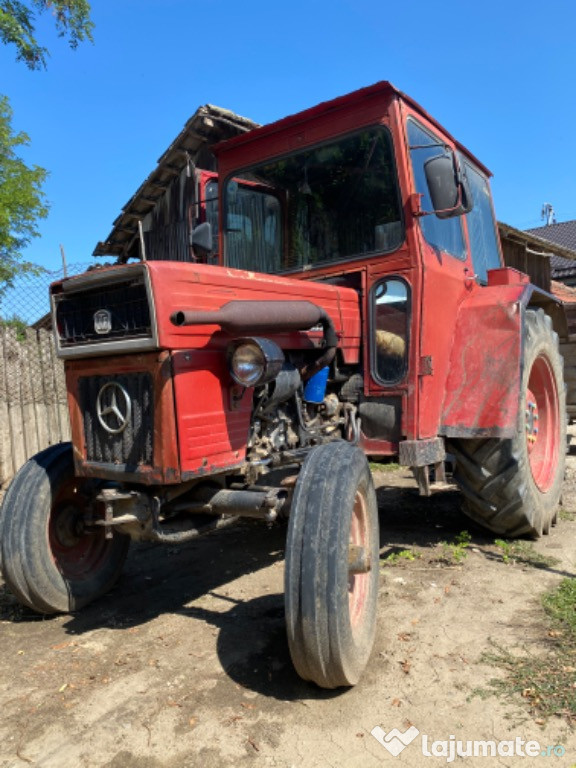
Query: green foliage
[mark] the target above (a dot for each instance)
(455, 551)
(18, 26)
(22, 201)
(397, 557)
(561, 606)
(390, 466)
(18, 325)
(546, 681)
(523, 552)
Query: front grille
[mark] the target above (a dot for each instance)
(124, 304)
(134, 444)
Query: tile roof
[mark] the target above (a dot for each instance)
(562, 234)
(564, 292)
(562, 268)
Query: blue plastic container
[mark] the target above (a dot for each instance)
(315, 388)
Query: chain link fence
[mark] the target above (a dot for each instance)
(33, 404)
(27, 302)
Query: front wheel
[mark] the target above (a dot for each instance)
(52, 560)
(513, 486)
(331, 577)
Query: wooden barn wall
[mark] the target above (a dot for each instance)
(536, 266)
(166, 227)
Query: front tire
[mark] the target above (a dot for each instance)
(51, 560)
(331, 577)
(513, 486)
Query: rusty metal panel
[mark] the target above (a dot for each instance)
(165, 466)
(213, 425)
(483, 386)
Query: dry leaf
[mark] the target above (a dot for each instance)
(406, 666)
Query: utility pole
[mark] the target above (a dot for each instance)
(64, 265)
(548, 214)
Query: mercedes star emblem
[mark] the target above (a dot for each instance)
(114, 408)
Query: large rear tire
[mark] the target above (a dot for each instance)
(51, 560)
(331, 577)
(513, 486)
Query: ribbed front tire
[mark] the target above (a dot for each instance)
(52, 560)
(332, 557)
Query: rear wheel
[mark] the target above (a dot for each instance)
(513, 486)
(51, 559)
(331, 578)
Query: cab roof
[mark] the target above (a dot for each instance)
(382, 89)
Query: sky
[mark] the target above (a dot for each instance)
(500, 76)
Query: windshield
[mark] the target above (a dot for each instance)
(328, 203)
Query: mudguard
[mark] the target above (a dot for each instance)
(483, 386)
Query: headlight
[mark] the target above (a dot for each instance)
(254, 361)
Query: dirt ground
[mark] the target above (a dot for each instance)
(186, 662)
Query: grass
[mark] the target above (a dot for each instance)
(395, 558)
(523, 552)
(566, 514)
(389, 466)
(454, 552)
(548, 682)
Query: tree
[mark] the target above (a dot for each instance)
(22, 201)
(17, 26)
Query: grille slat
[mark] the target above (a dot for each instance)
(126, 303)
(134, 446)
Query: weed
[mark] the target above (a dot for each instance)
(560, 605)
(546, 682)
(566, 514)
(394, 558)
(456, 551)
(523, 552)
(376, 466)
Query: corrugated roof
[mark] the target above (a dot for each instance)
(207, 126)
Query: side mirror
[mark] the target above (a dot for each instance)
(201, 237)
(448, 188)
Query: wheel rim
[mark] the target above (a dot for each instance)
(358, 583)
(77, 550)
(542, 416)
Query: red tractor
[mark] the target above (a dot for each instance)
(359, 306)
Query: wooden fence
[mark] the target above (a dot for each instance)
(33, 407)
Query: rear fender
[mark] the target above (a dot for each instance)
(483, 386)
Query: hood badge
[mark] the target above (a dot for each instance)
(102, 322)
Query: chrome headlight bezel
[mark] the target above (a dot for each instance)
(253, 360)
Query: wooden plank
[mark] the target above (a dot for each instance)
(29, 370)
(38, 395)
(50, 391)
(13, 361)
(5, 443)
(61, 393)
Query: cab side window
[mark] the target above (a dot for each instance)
(391, 307)
(442, 234)
(481, 225)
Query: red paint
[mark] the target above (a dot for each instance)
(483, 387)
(542, 423)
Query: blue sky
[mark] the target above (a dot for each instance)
(499, 75)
